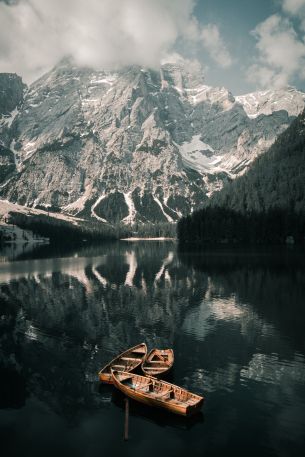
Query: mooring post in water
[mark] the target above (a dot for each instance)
(126, 419)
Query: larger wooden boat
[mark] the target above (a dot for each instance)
(154, 392)
(127, 361)
(158, 362)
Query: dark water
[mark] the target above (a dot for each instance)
(235, 320)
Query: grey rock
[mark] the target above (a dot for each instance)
(135, 144)
(11, 92)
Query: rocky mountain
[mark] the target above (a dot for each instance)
(11, 93)
(133, 144)
(266, 205)
(275, 180)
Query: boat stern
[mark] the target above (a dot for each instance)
(193, 409)
(106, 378)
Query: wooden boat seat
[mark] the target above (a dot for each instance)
(118, 367)
(160, 362)
(145, 388)
(128, 382)
(168, 394)
(160, 394)
(130, 358)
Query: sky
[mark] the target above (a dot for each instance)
(244, 45)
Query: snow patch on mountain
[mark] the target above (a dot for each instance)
(169, 219)
(29, 148)
(110, 79)
(93, 213)
(16, 155)
(269, 101)
(130, 219)
(197, 94)
(199, 156)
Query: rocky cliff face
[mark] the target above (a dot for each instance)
(11, 98)
(11, 93)
(136, 144)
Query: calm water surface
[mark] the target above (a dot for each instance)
(236, 322)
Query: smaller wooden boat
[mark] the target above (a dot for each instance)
(154, 392)
(158, 361)
(127, 361)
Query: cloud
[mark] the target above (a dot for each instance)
(10, 2)
(214, 44)
(293, 6)
(281, 53)
(35, 34)
(296, 9)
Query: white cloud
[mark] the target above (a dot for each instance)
(293, 6)
(281, 53)
(214, 44)
(35, 34)
(296, 9)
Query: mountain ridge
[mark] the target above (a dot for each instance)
(275, 180)
(264, 206)
(135, 145)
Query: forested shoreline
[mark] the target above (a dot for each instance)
(264, 206)
(217, 225)
(60, 231)
(275, 179)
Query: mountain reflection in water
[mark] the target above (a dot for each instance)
(235, 321)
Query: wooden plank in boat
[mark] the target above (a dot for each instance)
(141, 349)
(162, 365)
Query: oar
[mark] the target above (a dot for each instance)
(126, 419)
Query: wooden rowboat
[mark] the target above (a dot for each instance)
(158, 361)
(127, 361)
(154, 392)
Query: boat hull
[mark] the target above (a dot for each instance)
(105, 374)
(181, 409)
(158, 362)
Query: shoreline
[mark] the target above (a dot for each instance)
(161, 238)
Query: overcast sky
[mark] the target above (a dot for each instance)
(242, 44)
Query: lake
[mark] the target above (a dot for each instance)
(235, 319)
